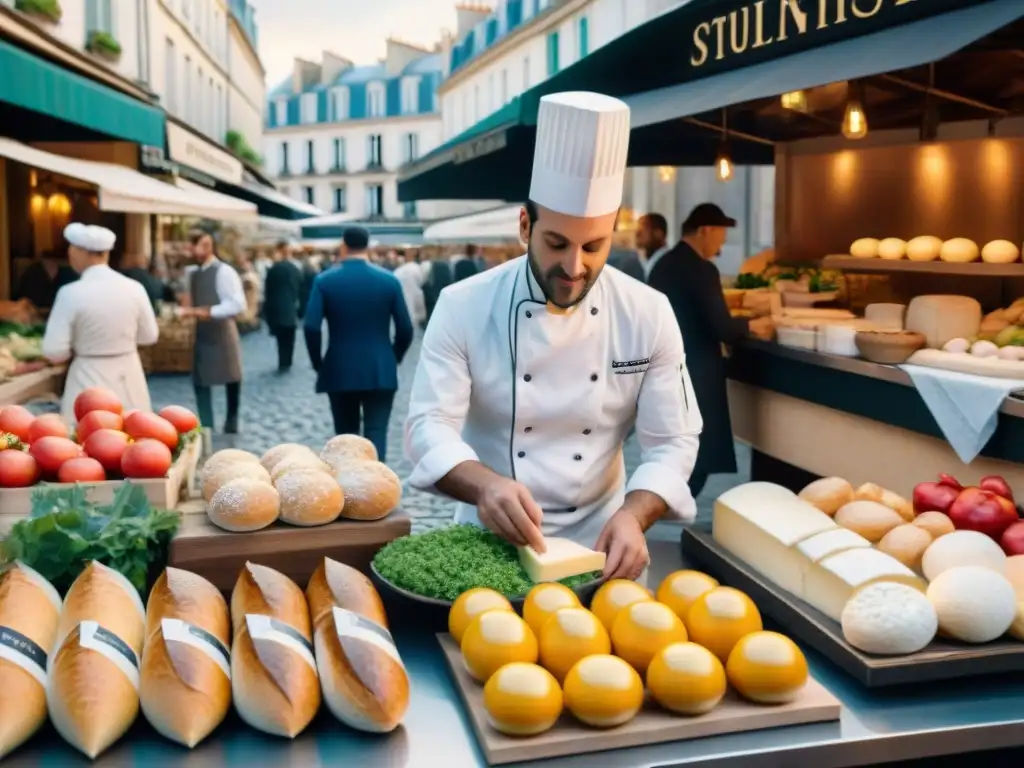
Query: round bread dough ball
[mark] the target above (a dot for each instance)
(686, 678)
(294, 462)
(613, 596)
(767, 668)
(544, 601)
(889, 619)
(567, 637)
(494, 639)
(680, 590)
(924, 248)
(345, 448)
(974, 604)
(892, 249)
(870, 519)
(962, 548)
(225, 457)
(907, 543)
(603, 691)
(471, 604)
(720, 618)
(244, 504)
(371, 489)
(309, 497)
(225, 473)
(270, 458)
(644, 628)
(864, 248)
(959, 250)
(522, 699)
(1000, 252)
(828, 494)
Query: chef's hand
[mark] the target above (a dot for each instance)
(762, 328)
(507, 509)
(623, 541)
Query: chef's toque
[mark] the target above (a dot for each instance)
(90, 238)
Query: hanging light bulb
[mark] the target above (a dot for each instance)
(37, 205)
(855, 122)
(795, 100)
(723, 162)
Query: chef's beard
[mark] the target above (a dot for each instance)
(550, 288)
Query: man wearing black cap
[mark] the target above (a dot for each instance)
(693, 285)
(359, 372)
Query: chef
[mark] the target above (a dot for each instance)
(98, 322)
(532, 374)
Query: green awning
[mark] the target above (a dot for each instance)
(35, 84)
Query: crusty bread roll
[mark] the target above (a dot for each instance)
(93, 681)
(959, 250)
(278, 452)
(364, 682)
(895, 502)
(828, 494)
(870, 519)
(29, 611)
(220, 476)
(1000, 252)
(185, 680)
(296, 462)
(244, 504)
(344, 448)
(228, 456)
(371, 489)
(309, 497)
(273, 673)
(924, 248)
(907, 544)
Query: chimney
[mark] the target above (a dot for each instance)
(331, 66)
(469, 15)
(444, 47)
(304, 75)
(401, 54)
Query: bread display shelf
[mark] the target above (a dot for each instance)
(218, 555)
(652, 726)
(940, 660)
(974, 268)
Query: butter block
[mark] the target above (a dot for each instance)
(562, 558)
(831, 582)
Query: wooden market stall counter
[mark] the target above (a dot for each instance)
(21, 389)
(808, 413)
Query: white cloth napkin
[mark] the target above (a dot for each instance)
(966, 407)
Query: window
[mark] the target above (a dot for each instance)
(338, 155)
(504, 87)
(410, 95)
(526, 73)
(308, 108)
(170, 76)
(310, 157)
(374, 200)
(99, 16)
(198, 116)
(309, 195)
(186, 79)
(553, 54)
(411, 144)
(409, 209)
(583, 36)
(340, 199)
(218, 112)
(283, 169)
(375, 100)
(211, 111)
(339, 104)
(374, 156)
(281, 112)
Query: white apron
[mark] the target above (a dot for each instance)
(122, 374)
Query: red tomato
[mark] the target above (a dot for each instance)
(51, 452)
(95, 420)
(81, 470)
(107, 446)
(144, 424)
(16, 419)
(49, 425)
(96, 399)
(182, 418)
(146, 458)
(18, 469)
(128, 413)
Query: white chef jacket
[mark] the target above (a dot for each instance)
(230, 291)
(549, 398)
(101, 319)
(412, 278)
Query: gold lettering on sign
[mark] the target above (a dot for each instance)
(799, 18)
(823, 12)
(759, 38)
(856, 11)
(902, 2)
(700, 43)
(719, 24)
(734, 30)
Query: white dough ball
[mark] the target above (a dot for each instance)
(865, 248)
(974, 604)
(924, 248)
(1000, 252)
(959, 250)
(889, 619)
(892, 249)
(962, 548)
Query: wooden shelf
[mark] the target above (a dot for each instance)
(973, 269)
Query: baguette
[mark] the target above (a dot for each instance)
(29, 612)
(273, 673)
(364, 682)
(185, 687)
(93, 681)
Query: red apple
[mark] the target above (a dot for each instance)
(1012, 540)
(949, 480)
(934, 497)
(976, 509)
(997, 485)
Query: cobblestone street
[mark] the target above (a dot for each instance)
(280, 408)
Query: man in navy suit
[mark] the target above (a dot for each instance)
(359, 372)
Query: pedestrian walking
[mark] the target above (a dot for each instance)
(411, 276)
(282, 296)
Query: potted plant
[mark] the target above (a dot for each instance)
(42, 10)
(104, 45)
(236, 142)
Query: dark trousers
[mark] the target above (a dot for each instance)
(285, 346)
(697, 482)
(204, 404)
(369, 409)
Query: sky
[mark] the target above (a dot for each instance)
(355, 29)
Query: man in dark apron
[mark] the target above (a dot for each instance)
(217, 298)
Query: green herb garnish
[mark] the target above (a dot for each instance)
(184, 439)
(445, 563)
(749, 281)
(65, 531)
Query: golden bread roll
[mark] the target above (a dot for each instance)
(828, 494)
(267, 592)
(870, 519)
(297, 462)
(372, 490)
(309, 497)
(344, 448)
(29, 612)
(214, 480)
(270, 458)
(907, 544)
(336, 584)
(93, 681)
(243, 505)
(185, 680)
(226, 457)
(895, 502)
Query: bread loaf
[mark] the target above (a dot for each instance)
(344, 448)
(29, 611)
(244, 505)
(371, 489)
(364, 682)
(278, 452)
(215, 480)
(309, 497)
(226, 457)
(273, 673)
(185, 681)
(828, 494)
(93, 681)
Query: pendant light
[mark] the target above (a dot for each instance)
(855, 122)
(795, 101)
(723, 160)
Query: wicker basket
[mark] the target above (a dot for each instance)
(173, 352)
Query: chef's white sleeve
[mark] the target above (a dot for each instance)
(230, 294)
(668, 422)
(147, 331)
(58, 335)
(440, 398)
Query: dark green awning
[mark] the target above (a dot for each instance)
(33, 83)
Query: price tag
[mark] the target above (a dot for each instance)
(178, 631)
(267, 628)
(21, 650)
(352, 625)
(94, 637)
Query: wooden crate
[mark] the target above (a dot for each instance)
(21, 389)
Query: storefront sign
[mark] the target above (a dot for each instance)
(480, 147)
(187, 149)
(768, 22)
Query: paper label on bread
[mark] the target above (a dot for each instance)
(270, 629)
(22, 651)
(178, 631)
(94, 637)
(352, 625)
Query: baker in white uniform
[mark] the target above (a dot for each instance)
(532, 374)
(99, 322)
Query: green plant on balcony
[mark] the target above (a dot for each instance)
(104, 45)
(236, 142)
(49, 10)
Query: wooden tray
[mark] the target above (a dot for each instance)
(652, 726)
(941, 660)
(205, 549)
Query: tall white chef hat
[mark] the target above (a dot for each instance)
(579, 161)
(90, 238)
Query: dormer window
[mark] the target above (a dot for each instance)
(280, 111)
(410, 95)
(308, 108)
(339, 100)
(375, 100)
